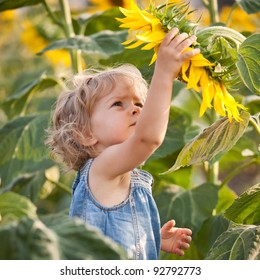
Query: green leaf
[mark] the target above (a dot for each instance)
(246, 208)
(209, 232)
(101, 20)
(28, 185)
(178, 128)
(11, 4)
(15, 104)
(238, 243)
(250, 6)
(248, 64)
(135, 56)
(57, 237)
(102, 44)
(14, 206)
(217, 139)
(21, 148)
(226, 197)
(188, 208)
(80, 241)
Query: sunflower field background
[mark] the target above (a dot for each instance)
(206, 172)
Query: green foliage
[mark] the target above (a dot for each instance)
(250, 6)
(14, 206)
(249, 63)
(217, 139)
(237, 243)
(102, 44)
(57, 238)
(22, 148)
(246, 208)
(16, 103)
(9, 4)
(35, 195)
(199, 205)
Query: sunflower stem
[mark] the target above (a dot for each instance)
(60, 185)
(51, 14)
(212, 171)
(236, 171)
(255, 125)
(233, 7)
(212, 6)
(69, 32)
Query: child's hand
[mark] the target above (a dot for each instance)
(175, 240)
(171, 53)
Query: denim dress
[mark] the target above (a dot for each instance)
(134, 224)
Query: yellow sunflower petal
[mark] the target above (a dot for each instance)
(151, 37)
(207, 96)
(136, 25)
(149, 46)
(134, 9)
(127, 42)
(199, 60)
(218, 100)
(231, 105)
(194, 77)
(134, 45)
(153, 58)
(207, 91)
(148, 17)
(184, 68)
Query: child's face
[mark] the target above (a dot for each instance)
(115, 115)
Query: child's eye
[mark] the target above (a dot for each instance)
(117, 103)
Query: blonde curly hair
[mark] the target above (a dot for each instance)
(74, 107)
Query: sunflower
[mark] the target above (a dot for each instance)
(102, 5)
(144, 28)
(196, 73)
(148, 27)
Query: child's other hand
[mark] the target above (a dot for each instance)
(171, 53)
(175, 240)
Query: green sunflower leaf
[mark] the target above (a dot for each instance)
(249, 64)
(250, 6)
(215, 140)
(10, 4)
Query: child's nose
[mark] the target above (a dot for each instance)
(136, 109)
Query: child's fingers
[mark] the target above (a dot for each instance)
(190, 53)
(169, 225)
(179, 40)
(186, 231)
(184, 246)
(187, 239)
(183, 41)
(179, 252)
(170, 36)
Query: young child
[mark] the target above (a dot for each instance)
(105, 128)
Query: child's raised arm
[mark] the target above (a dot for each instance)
(152, 123)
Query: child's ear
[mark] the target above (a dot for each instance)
(87, 140)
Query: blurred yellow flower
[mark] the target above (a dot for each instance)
(239, 19)
(103, 5)
(7, 15)
(6, 22)
(32, 39)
